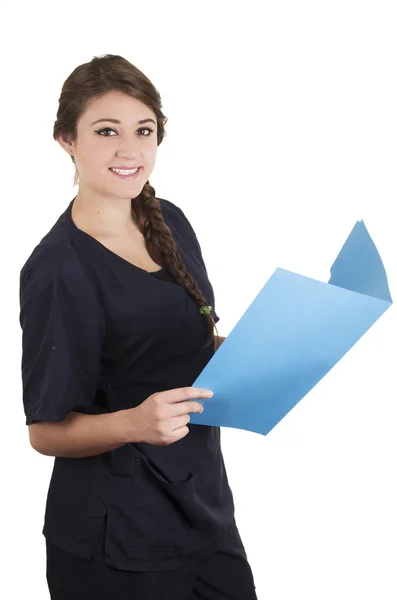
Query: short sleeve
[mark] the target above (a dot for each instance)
(199, 253)
(62, 333)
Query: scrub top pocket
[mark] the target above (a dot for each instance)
(162, 517)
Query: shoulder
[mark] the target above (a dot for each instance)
(176, 218)
(170, 209)
(55, 288)
(51, 259)
(56, 252)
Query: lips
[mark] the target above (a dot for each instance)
(130, 176)
(126, 168)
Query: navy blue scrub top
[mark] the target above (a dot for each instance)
(100, 335)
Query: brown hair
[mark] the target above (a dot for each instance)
(93, 80)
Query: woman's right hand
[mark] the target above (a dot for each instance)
(162, 418)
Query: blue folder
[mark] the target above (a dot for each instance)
(292, 334)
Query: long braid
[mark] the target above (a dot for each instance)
(163, 249)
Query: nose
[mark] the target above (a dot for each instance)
(128, 154)
(128, 147)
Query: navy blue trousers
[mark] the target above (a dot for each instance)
(222, 575)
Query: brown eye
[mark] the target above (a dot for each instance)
(99, 131)
(147, 129)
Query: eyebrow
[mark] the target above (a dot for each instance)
(119, 122)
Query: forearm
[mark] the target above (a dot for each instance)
(80, 435)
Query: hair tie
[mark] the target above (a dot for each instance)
(205, 310)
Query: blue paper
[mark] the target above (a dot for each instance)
(292, 334)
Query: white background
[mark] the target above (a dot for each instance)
(282, 133)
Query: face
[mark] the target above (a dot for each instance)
(106, 144)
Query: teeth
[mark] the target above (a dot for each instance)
(125, 172)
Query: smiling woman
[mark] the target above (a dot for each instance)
(118, 318)
(100, 205)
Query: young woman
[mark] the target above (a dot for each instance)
(117, 315)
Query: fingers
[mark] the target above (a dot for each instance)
(180, 422)
(185, 393)
(184, 408)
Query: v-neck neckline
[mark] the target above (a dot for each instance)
(74, 226)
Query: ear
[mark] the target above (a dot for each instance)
(66, 145)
